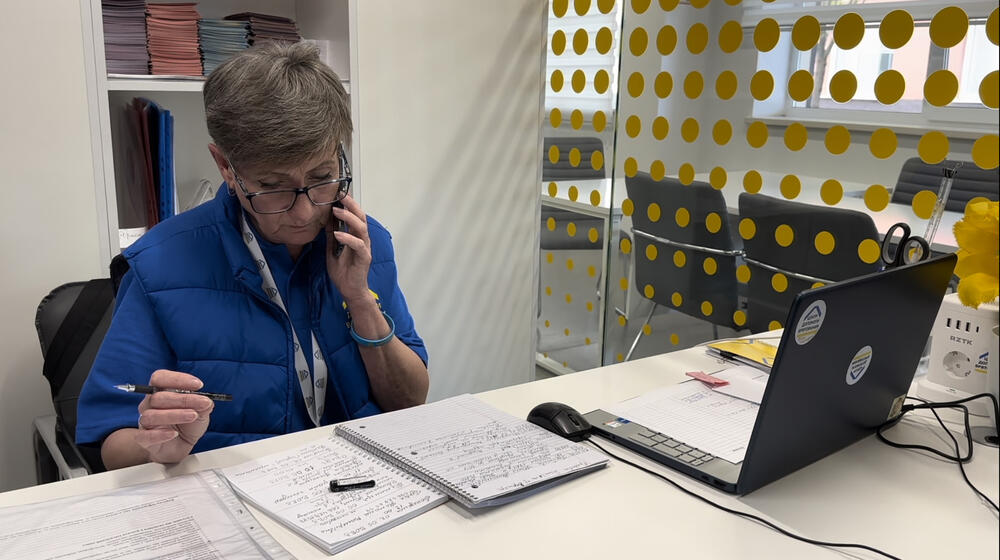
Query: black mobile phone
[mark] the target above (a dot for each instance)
(341, 226)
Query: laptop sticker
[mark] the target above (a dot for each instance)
(810, 322)
(859, 365)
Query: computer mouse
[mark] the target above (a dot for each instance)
(560, 419)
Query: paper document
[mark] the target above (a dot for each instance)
(693, 413)
(745, 383)
(750, 351)
(183, 517)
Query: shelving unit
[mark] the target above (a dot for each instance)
(325, 20)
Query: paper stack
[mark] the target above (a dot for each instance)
(173, 39)
(125, 36)
(220, 39)
(264, 27)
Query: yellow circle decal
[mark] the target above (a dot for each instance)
(843, 86)
(640, 6)
(633, 126)
(717, 178)
(693, 85)
(636, 84)
(657, 170)
(556, 81)
(676, 299)
(933, 147)
(555, 118)
(790, 187)
(992, 27)
(837, 139)
(680, 259)
(653, 212)
(601, 81)
(576, 119)
(779, 282)
(773, 325)
(651, 252)
(831, 191)
(574, 157)
(722, 132)
(559, 7)
(883, 143)
(569, 264)
(674, 339)
(869, 251)
(889, 87)
(600, 121)
(574, 192)
(597, 160)
(554, 154)
(685, 174)
(666, 40)
(638, 41)
(625, 246)
(796, 136)
(604, 40)
(605, 6)
(660, 128)
(748, 228)
(824, 242)
(706, 308)
(549, 257)
(580, 40)
(949, 26)
(595, 198)
(743, 273)
(663, 84)
(784, 235)
(940, 88)
(713, 223)
(558, 42)
(669, 5)
(988, 90)
(757, 134)
(766, 34)
(876, 198)
(697, 38)
(849, 30)
(553, 190)
(551, 224)
(800, 85)
(710, 266)
(571, 229)
(631, 168)
(923, 204)
(896, 29)
(593, 236)
(752, 181)
(730, 36)
(581, 7)
(805, 33)
(985, 150)
(689, 130)
(578, 81)
(648, 292)
(761, 85)
(726, 85)
(739, 318)
(682, 217)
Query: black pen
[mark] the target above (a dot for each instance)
(149, 390)
(345, 484)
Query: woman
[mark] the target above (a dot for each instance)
(280, 291)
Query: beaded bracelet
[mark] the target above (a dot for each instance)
(369, 343)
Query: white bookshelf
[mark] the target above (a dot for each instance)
(327, 21)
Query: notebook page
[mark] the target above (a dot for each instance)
(293, 487)
(474, 448)
(693, 413)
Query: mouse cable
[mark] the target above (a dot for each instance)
(957, 458)
(743, 514)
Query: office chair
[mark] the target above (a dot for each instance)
(801, 263)
(969, 182)
(684, 256)
(563, 170)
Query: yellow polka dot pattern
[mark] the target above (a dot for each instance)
(824, 242)
(682, 217)
(784, 235)
(651, 252)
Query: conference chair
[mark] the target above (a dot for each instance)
(795, 246)
(684, 257)
(969, 181)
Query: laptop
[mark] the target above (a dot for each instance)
(846, 359)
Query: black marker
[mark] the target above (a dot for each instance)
(345, 484)
(148, 390)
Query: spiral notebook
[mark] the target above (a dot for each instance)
(471, 451)
(293, 488)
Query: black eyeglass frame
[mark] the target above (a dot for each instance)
(343, 187)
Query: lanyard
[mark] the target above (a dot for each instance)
(313, 390)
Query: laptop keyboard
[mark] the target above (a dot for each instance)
(671, 447)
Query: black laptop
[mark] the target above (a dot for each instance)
(845, 362)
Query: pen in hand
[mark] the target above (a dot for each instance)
(149, 390)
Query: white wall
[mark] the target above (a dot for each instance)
(448, 120)
(48, 233)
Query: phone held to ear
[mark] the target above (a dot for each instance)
(341, 226)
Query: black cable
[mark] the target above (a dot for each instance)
(957, 458)
(742, 513)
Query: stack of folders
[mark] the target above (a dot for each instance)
(125, 36)
(173, 39)
(220, 39)
(750, 351)
(144, 167)
(264, 27)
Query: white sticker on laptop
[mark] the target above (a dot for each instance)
(810, 322)
(859, 365)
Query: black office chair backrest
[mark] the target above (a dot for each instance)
(563, 169)
(970, 181)
(840, 232)
(683, 248)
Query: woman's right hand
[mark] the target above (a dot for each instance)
(171, 423)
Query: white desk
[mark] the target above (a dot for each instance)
(905, 503)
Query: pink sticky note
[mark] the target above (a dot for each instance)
(713, 381)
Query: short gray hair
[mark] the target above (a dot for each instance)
(276, 104)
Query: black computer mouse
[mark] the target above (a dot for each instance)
(560, 419)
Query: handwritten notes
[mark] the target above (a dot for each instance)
(480, 455)
(294, 488)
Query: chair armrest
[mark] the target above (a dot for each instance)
(67, 461)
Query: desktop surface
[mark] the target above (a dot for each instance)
(906, 503)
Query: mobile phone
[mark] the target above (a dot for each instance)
(341, 226)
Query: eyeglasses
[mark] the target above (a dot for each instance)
(276, 201)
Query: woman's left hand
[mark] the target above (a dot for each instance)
(349, 270)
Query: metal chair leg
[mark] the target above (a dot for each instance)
(639, 335)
